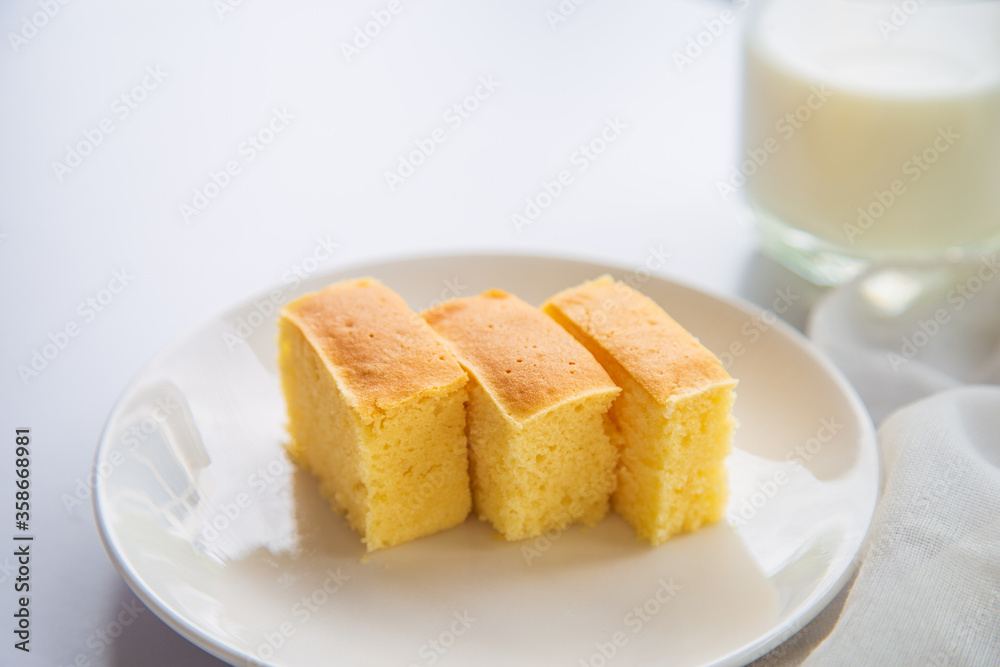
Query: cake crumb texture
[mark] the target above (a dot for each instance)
(674, 414)
(540, 455)
(376, 411)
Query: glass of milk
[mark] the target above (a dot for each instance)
(871, 132)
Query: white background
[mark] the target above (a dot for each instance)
(61, 241)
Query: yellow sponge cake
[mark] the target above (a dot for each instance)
(375, 411)
(539, 453)
(674, 412)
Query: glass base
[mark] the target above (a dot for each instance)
(824, 263)
(807, 255)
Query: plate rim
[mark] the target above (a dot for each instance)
(811, 607)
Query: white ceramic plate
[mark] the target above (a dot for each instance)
(215, 531)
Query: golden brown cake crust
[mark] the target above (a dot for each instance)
(379, 350)
(658, 352)
(526, 361)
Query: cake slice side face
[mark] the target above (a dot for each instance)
(326, 433)
(543, 475)
(565, 463)
(417, 465)
(491, 436)
(672, 476)
(540, 458)
(376, 411)
(674, 412)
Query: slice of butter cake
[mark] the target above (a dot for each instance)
(539, 454)
(375, 411)
(674, 412)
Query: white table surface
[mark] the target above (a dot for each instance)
(220, 78)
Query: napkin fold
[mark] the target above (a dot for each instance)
(922, 348)
(928, 590)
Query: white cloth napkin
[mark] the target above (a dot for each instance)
(928, 591)
(928, 588)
